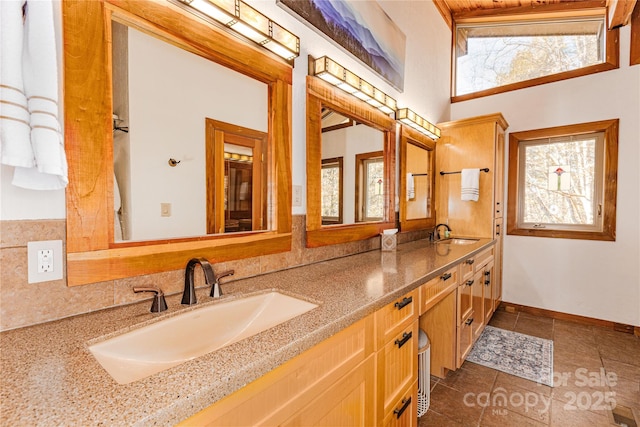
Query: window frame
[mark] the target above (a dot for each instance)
(608, 177)
(611, 54)
(335, 162)
(362, 177)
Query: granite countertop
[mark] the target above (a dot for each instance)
(49, 377)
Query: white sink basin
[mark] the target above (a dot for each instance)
(458, 241)
(170, 342)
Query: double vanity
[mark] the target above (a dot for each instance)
(51, 377)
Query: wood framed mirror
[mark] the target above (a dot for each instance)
(367, 199)
(417, 180)
(93, 254)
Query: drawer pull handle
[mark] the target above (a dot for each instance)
(469, 282)
(405, 405)
(445, 276)
(470, 261)
(469, 321)
(405, 301)
(487, 277)
(405, 337)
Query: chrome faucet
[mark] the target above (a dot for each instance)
(216, 292)
(189, 293)
(436, 231)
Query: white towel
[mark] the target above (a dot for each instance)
(40, 164)
(470, 180)
(411, 187)
(14, 112)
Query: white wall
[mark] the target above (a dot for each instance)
(587, 278)
(167, 108)
(426, 90)
(427, 67)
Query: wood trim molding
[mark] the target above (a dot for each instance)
(510, 307)
(92, 255)
(635, 36)
(612, 62)
(619, 12)
(610, 171)
(319, 94)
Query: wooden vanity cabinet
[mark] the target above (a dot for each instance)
(397, 361)
(364, 375)
(333, 383)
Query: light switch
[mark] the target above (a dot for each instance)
(297, 195)
(165, 209)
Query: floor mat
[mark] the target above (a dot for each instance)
(514, 353)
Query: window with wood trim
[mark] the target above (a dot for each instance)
(370, 186)
(495, 57)
(331, 197)
(563, 181)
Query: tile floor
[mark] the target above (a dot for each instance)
(592, 367)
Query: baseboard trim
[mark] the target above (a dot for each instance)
(510, 307)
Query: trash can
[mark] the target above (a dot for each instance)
(424, 372)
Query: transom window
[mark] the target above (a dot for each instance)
(562, 181)
(505, 54)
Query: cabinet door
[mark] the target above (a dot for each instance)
(488, 275)
(477, 302)
(497, 274)
(346, 403)
(465, 296)
(465, 338)
(499, 175)
(397, 367)
(405, 411)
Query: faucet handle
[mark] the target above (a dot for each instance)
(159, 304)
(215, 289)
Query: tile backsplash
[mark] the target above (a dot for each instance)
(23, 304)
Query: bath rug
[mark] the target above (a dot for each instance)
(514, 353)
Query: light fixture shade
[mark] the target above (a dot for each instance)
(410, 118)
(247, 21)
(330, 71)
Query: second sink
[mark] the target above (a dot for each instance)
(458, 241)
(142, 352)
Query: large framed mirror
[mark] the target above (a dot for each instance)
(350, 167)
(417, 180)
(164, 162)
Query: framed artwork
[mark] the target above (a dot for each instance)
(362, 28)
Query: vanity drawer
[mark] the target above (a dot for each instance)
(483, 258)
(437, 288)
(397, 367)
(394, 317)
(405, 411)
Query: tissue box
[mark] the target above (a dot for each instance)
(388, 242)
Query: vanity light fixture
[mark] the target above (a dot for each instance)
(420, 124)
(248, 22)
(330, 71)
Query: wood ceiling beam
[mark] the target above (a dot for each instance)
(620, 12)
(535, 11)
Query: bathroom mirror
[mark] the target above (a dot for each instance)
(166, 141)
(93, 252)
(417, 180)
(352, 170)
(350, 167)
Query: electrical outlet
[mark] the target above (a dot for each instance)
(297, 195)
(44, 261)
